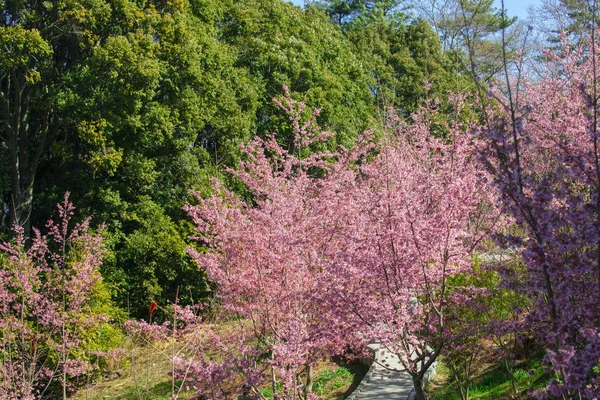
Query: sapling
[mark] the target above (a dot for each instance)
(45, 289)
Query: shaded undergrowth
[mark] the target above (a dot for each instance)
(492, 381)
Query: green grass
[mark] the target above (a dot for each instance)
(268, 391)
(142, 374)
(494, 383)
(149, 380)
(330, 381)
(160, 391)
(333, 380)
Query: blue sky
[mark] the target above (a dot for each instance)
(515, 7)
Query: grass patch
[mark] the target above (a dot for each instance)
(333, 379)
(160, 391)
(492, 382)
(144, 375)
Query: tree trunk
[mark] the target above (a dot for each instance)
(309, 380)
(21, 204)
(26, 138)
(273, 380)
(419, 392)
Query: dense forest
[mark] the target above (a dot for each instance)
(326, 176)
(129, 105)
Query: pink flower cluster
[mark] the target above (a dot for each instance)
(339, 249)
(542, 148)
(44, 304)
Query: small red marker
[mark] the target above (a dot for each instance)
(153, 307)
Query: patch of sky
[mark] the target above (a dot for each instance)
(516, 8)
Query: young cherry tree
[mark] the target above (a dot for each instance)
(265, 256)
(45, 290)
(410, 222)
(543, 150)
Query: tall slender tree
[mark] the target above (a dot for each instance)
(42, 43)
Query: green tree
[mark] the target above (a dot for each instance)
(471, 29)
(161, 103)
(573, 17)
(41, 43)
(155, 103)
(401, 58)
(280, 44)
(347, 12)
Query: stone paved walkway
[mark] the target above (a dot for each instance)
(382, 383)
(386, 385)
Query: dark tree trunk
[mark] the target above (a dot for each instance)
(25, 137)
(21, 202)
(419, 392)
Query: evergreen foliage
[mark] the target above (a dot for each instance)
(128, 105)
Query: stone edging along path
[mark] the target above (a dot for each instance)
(381, 383)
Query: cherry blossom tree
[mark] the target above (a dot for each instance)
(542, 147)
(412, 220)
(265, 255)
(45, 290)
(345, 248)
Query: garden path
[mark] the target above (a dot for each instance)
(381, 383)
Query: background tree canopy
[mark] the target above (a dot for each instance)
(129, 105)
